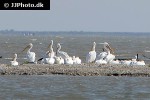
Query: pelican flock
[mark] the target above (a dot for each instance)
(107, 56)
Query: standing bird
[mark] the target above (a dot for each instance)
(91, 56)
(30, 55)
(59, 53)
(51, 51)
(14, 61)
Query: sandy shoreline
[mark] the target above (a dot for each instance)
(75, 70)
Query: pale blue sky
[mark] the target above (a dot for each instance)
(82, 15)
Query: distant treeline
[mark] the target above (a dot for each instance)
(33, 33)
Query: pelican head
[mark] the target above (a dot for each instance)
(30, 45)
(51, 44)
(58, 46)
(107, 47)
(94, 43)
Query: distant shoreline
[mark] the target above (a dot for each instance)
(75, 70)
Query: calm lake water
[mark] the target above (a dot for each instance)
(54, 87)
(74, 88)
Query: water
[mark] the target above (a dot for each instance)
(55, 87)
(126, 45)
(74, 88)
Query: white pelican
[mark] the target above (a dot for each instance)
(101, 55)
(30, 55)
(59, 60)
(109, 50)
(49, 60)
(14, 61)
(91, 56)
(61, 53)
(68, 61)
(126, 62)
(115, 62)
(101, 62)
(76, 60)
(51, 51)
(136, 61)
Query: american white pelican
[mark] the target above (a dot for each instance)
(51, 51)
(101, 55)
(115, 62)
(109, 50)
(91, 56)
(48, 60)
(59, 60)
(68, 61)
(76, 60)
(14, 61)
(126, 62)
(61, 53)
(101, 62)
(30, 55)
(136, 61)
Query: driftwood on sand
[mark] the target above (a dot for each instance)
(75, 70)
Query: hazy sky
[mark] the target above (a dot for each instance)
(82, 15)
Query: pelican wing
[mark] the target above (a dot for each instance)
(63, 54)
(31, 56)
(101, 55)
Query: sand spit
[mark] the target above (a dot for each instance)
(75, 70)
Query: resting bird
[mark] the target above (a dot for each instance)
(76, 60)
(48, 60)
(110, 57)
(91, 56)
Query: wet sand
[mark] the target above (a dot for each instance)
(75, 70)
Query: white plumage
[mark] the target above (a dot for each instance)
(59, 60)
(30, 55)
(76, 60)
(51, 51)
(61, 53)
(14, 61)
(48, 60)
(68, 61)
(101, 61)
(91, 56)
(109, 57)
